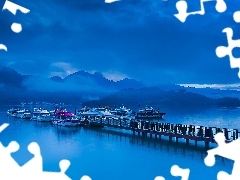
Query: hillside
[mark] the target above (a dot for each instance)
(157, 96)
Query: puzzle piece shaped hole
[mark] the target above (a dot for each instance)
(236, 52)
(236, 16)
(221, 6)
(22, 156)
(190, 6)
(221, 51)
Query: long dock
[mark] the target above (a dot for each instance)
(174, 132)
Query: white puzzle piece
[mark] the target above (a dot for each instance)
(222, 51)
(182, 8)
(33, 169)
(228, 150)
(177, 172)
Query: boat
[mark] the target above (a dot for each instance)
(94, 112)
(84, 122)
(109, 115)
(80, 111)
(41, 115)
(105, 112)
(149, 113)
(99, 112)
(62, 117)
(24, 114)
(12, 112)
(70, 121)
(91, 113)
(122, 111)
(35, 113)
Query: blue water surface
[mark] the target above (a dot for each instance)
(110, 154)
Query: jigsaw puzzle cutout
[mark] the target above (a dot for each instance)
(111, 1)
(177, 171)
(236, 16)
(227, 150)
(182, 8)
(222, 51)
(3, 126)
(13, 8)
(7, 163)
(33, 169)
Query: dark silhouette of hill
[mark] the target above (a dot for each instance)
(83, 86)
(98, 79)
(11, 78)
(76, 87)
(56, 79)
(157, 96)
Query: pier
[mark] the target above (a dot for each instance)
(173, 132)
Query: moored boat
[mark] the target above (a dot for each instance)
(12, 112)
(80, 111)
(91, 113)
(149, 113)
(24, 114)
(84, 122)
(70, 121)
(41, 115)
(122, 111)
(64, 118)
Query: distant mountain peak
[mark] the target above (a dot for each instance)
(128, 83)
(6, 69)
(82, 72)
(10, 77)
(56, 79)
(98, 74)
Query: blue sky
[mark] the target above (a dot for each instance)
(139, 39)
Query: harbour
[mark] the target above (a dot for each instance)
(120, 90)
(88, 147)
(124, 119)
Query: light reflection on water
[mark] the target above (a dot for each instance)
(114, 154)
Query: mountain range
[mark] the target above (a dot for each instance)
(95, 89)
(156, 97)
(81, 85)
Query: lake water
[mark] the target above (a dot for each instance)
(113, 154)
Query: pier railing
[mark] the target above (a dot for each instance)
(172, 131)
